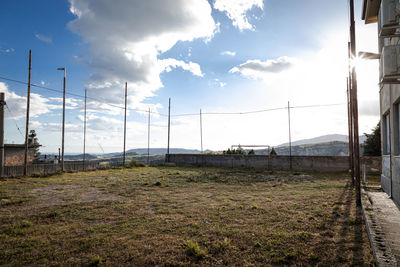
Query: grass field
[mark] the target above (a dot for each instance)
(182, 216)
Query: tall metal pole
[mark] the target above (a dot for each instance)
(2, 104)
(169, 126)
(28, 102)
(290, 137)
(355, 106)
(201, 132)
(63, 121)
(148, 140)
(84, 134)
(350, 126)
(350, 116)
(126, 95)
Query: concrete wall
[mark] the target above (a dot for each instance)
(45, 169)
(386, 174)
(299, 163)
(396, 181)
(14, 156)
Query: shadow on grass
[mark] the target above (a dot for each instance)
(349, 219)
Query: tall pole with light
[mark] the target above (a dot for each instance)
(354, 109)
(63, 120)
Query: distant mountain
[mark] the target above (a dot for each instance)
(79, 157)
(323, 139)
(334, 148)
(155, 151)
(68, 156)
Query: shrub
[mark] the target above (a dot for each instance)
(135, 163)
(193, 249)
(25, 224)
(96, 261)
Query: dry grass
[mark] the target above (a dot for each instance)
(181, 216)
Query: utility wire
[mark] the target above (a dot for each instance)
(16, 124)
(77, 95)
(173, 115)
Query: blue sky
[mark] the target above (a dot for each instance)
(216, 55)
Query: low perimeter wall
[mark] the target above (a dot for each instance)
(299, 163)
(46, 169)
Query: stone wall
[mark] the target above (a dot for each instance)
(46, 169)
(14, 156)
(299, 163)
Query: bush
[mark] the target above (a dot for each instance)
(193, 249)
(372, 145)
(25, 224)
(96, 261)
(135, 163)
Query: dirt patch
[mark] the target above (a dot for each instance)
(60, 194)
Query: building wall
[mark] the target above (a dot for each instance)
(389, 99)
(14, 156)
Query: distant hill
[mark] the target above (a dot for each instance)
(79, 157)
(334, 148)
(154, 151)
(323, 139)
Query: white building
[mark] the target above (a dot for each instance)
(387, 14)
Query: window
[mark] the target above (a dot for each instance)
(386, 133)
(396, 128)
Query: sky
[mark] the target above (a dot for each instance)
(217, 56)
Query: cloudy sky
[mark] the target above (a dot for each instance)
(221, 56)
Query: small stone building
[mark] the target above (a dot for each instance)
(14, 154)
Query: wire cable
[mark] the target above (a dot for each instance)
(77, 95)
(16, 124)
(172, 115)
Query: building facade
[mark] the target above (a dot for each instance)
(386, 13)
(14, 154)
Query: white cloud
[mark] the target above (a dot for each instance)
(219, 83)
(44, 38)
(6, 50)
(17, 104)
(125, 40)
(261, 69)
(236, 10)
(228, 53)
(169, 63)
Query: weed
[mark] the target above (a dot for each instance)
(304, 235)
(135, 163)
(193, 249)
(222, 246)
(25, 224)
(313, 257)
(289, 256)
(158, 183)
(254, 207)
(257, 244)
(96, 261)
(52, 214)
